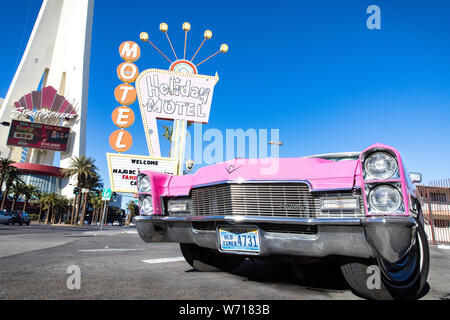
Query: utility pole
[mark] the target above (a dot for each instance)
(103, 215)
(106, 204)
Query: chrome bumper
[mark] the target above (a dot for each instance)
(386, 237)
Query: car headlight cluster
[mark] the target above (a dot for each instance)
(146, 205)
(144, 184)
(380, 165)
(385, 199)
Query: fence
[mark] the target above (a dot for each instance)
(436, 210)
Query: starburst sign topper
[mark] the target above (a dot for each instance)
(179, 94)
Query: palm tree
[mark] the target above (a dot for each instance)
(96, 203)
(12, 174)
(5, 163)
(41, 198)
(17, 189)
(50, 202)
(92, 182)
(62, 204)
(82, 168)
(28, 192)
(168, 131)
(133, 209)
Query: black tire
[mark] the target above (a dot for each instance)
(206, 260)
(28, 223)
(12, 223)
(404, 280)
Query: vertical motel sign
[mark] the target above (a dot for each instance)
(179, 94)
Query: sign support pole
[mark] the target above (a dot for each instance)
(103, 214)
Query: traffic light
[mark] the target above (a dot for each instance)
(114, 196)
(76, 190)
(97, 193)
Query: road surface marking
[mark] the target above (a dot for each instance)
(163, 260)
(107, 249)
(443, 246)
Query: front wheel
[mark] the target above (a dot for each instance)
(204, 259)
(404, 280)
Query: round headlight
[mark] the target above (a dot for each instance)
(380, 165)
(385, 199)
(147, 205)
(144, 184)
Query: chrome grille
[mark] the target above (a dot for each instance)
(292, 200)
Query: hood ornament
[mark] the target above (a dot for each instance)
(230, 168)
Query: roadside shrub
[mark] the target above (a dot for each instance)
(66, 221)
(33, 216)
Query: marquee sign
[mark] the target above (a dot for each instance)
(38, 135)
(123, 169)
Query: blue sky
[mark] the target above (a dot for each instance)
(311, 69)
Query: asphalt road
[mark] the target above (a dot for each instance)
(116, 264)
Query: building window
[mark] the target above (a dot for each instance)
(45, 184)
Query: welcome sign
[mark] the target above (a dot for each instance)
(123, 169)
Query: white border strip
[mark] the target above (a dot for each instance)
(163, 260)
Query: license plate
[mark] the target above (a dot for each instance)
(239, 239)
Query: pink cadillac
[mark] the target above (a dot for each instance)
(361, 210)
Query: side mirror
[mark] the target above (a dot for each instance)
(415, 177)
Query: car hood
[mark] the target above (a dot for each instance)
(320, 174)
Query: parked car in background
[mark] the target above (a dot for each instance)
(132, 224)
(116, 223)
(359, 210)
(20, 217)
(5, 218)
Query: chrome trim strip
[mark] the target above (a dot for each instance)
(256, 219)
(336, 154)
(251, 181)
(335, 189)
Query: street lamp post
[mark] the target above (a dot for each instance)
(278, 143)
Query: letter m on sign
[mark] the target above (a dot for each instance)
(129, 50)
